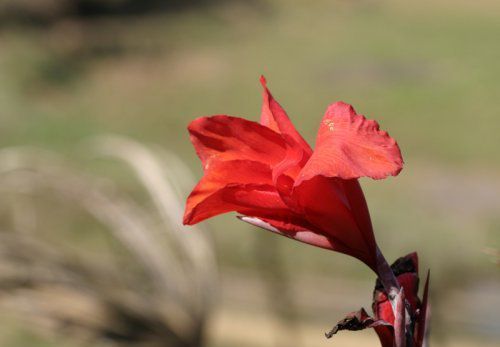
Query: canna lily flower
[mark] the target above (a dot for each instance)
(269, 174)
(384, 322)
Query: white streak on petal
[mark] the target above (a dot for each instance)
(304, 236)
(259, 223)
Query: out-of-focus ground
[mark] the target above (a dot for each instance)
(428, 71)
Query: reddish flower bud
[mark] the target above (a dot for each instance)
(389, 329)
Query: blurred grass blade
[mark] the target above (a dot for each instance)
(93, 300)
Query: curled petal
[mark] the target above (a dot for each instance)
(236, 185)
(350, 146)
(285, 172)
(293, 161)
(360, 320)
(252, 199)
(223, 138)
(354, 321)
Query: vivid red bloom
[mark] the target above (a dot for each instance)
(269, 174)
(406, 271)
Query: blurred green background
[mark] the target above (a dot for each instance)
(428, 71)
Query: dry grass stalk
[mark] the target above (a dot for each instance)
(79, 297)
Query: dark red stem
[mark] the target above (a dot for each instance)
(391, 285)
(387, 278)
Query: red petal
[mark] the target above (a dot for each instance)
(406, 271)
(230, 138)
(350, 146)
(409, 282)
(385, 334)
(423, 317)
(324, 203)
(275, 117)
(298, 150)
(382, 307)
(286, 171)
(293, 161)
(237, 185)
(359, 210)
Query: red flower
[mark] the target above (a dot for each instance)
(406, 271)
(269, 174)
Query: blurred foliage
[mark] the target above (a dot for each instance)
(128, 277)
(43, 12)
(427, 71)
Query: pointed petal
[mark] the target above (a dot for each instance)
(350, 146)
(275, 117)
(298, 150)
(423, 317)
(225, 138)
(237, 185)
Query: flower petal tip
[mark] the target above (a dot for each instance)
(258, 223)
(263, 81)
(341, 108)
(187, 219)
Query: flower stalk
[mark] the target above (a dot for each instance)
(387, 278)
